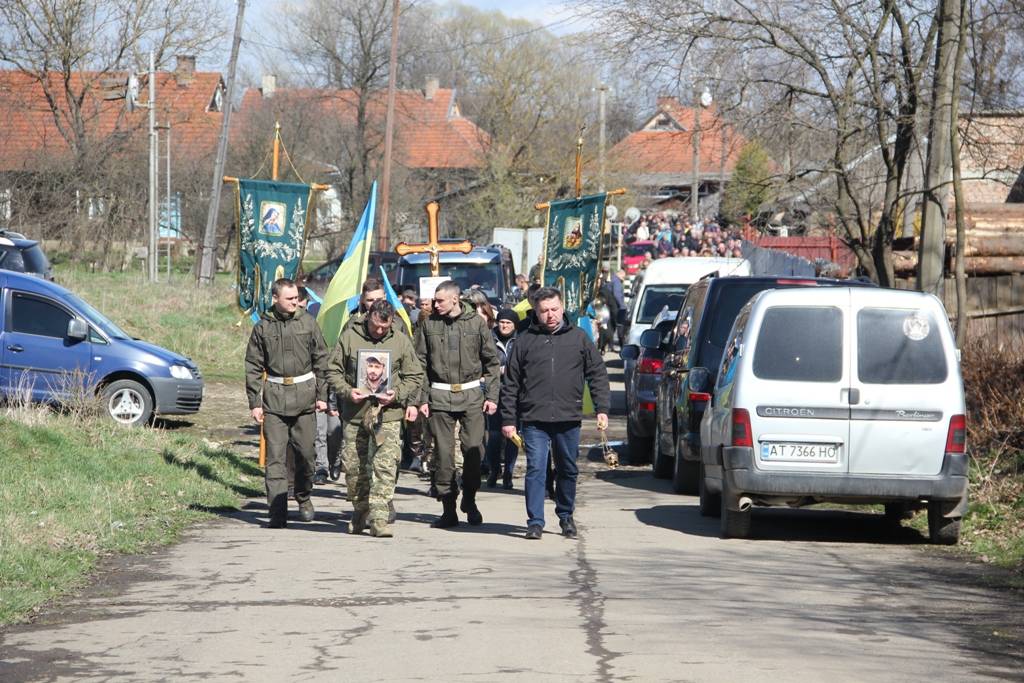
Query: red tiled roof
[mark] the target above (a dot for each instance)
(29, 136)
(429, 133)
(669, 150)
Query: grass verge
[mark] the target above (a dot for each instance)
(75, 489)
(203, 323)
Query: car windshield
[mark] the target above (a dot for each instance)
(98, 320)
(486, 275)
(658, 297)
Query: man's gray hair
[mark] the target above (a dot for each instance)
(383, 310)
(450, 286)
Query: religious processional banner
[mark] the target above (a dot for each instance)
(572, 249)
(271, 237)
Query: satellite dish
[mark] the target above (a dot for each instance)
(611, 211)
(632, 214)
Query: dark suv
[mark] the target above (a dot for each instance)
(702, 326)
(489, 268)
(23, 255)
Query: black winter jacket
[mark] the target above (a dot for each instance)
(544, 376)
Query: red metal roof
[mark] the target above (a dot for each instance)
(30, 138)
(429, 133)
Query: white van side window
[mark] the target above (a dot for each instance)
(800, 344)
(899, 346)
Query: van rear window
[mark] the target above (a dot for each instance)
(800, 344)
(899, 346)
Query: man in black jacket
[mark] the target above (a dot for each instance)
(543, 390)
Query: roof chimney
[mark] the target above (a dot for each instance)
(185, 69)
(431, 88)
(269, 85)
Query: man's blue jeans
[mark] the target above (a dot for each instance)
(563, 440)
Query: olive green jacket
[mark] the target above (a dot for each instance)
(286, 347)
(455, 352)
(405, 370)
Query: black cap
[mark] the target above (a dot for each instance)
(508, 314)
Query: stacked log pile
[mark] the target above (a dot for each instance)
(994, 245)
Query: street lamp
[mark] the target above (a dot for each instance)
(704, 101)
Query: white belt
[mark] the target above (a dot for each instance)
(455, 388)
(291, 380)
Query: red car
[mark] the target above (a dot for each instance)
(633, 255)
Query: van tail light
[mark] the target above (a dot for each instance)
(648, 406)
(649, 366)
(956, 437)
(741, 435)
(696, 396)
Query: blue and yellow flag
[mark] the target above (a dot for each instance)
(343, 293)
(272, 220)
(572, 247)
(392, 297)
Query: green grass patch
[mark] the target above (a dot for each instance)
(73, 490)
(203, 323)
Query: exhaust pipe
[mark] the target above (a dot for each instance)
(744, 503)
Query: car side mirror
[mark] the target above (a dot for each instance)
(698, 380)
(651, 340)
(78, 329)
(629, 352)
(622, 317)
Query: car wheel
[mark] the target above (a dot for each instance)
(639, 446)
(734, 523)
(659, 462)
(684, 472)
(128, 402)
(710, 503)
(943, 530)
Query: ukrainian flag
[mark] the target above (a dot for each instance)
(343, 293)
(393, 299)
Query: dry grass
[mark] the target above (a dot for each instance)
(994, 529)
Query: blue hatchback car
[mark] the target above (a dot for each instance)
(54, 345)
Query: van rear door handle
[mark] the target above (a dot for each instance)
(16, 348)
(853, 396)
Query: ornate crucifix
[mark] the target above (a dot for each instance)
(433, 246)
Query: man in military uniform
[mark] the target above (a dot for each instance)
(457, 351)
(285, 382)
(373, 420)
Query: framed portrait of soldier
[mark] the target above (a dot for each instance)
(373, 372)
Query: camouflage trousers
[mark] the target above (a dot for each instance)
(369, 468)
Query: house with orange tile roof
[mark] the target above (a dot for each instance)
(34, 140)
(430, 134)
(656, 161)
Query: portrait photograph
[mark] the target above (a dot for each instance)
(373, 371)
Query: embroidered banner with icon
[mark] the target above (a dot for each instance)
(572, 248)
(272, 222)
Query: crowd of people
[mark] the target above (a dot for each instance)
(465, 390)
(675, 235)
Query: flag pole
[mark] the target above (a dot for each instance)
(274, 175)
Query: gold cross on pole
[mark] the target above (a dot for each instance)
(433, 246)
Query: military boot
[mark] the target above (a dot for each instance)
(306, 512)
(358, 522)
(448, 518)
(468, 506)
(380, 529)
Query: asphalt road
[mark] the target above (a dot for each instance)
(648, 593)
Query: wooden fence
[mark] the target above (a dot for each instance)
(995, 307)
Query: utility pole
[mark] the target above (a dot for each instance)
(153, 161)
(703, 100)
(168, 214)
(934, 202)
(602, 91)
(207, 266)
(389, 133)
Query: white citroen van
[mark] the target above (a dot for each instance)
(840, 394)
